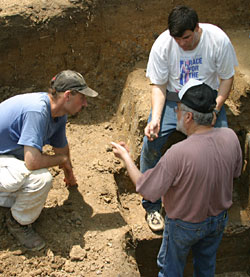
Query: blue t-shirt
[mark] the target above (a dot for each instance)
(26, 120)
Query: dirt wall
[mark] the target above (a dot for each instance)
(102, 39)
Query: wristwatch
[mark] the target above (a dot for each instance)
(216, 112)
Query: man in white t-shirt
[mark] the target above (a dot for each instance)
(187, 50)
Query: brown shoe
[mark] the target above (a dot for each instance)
(24, 234)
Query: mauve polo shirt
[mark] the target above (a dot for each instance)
(195, 176)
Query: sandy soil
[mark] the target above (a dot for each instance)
(83, 226)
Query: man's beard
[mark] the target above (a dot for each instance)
(180, 127)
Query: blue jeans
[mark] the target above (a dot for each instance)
(181, 236)
(152, 150)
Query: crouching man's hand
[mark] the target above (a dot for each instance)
(69, 178)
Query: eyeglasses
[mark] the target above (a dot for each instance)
(176, 109)
(74, 92)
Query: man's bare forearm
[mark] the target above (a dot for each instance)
(34, 159)
(63, 151)
(133, 172)
(223, 92)
(158, 101)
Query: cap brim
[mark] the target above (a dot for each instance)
(88, 92)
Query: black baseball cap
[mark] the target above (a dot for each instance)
(71, 80)
(198, 96)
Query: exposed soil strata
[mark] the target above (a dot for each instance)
(99, 227)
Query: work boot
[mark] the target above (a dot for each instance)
(24, 234)
(155, 220)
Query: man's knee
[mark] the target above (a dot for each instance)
(47, 178)
(13, 173)
(39, 179)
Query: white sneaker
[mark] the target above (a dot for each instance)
(155, 221)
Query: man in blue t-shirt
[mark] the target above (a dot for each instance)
(27, 123)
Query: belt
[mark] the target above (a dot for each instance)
(172, 96)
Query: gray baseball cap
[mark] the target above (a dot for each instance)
(71, 80)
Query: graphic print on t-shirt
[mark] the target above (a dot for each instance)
(189, 68)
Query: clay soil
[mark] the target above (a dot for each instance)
(89, 228)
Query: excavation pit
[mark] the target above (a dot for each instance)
(108, 41)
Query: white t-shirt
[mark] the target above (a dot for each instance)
(213, 58)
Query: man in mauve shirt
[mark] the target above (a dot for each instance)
(195, 180)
